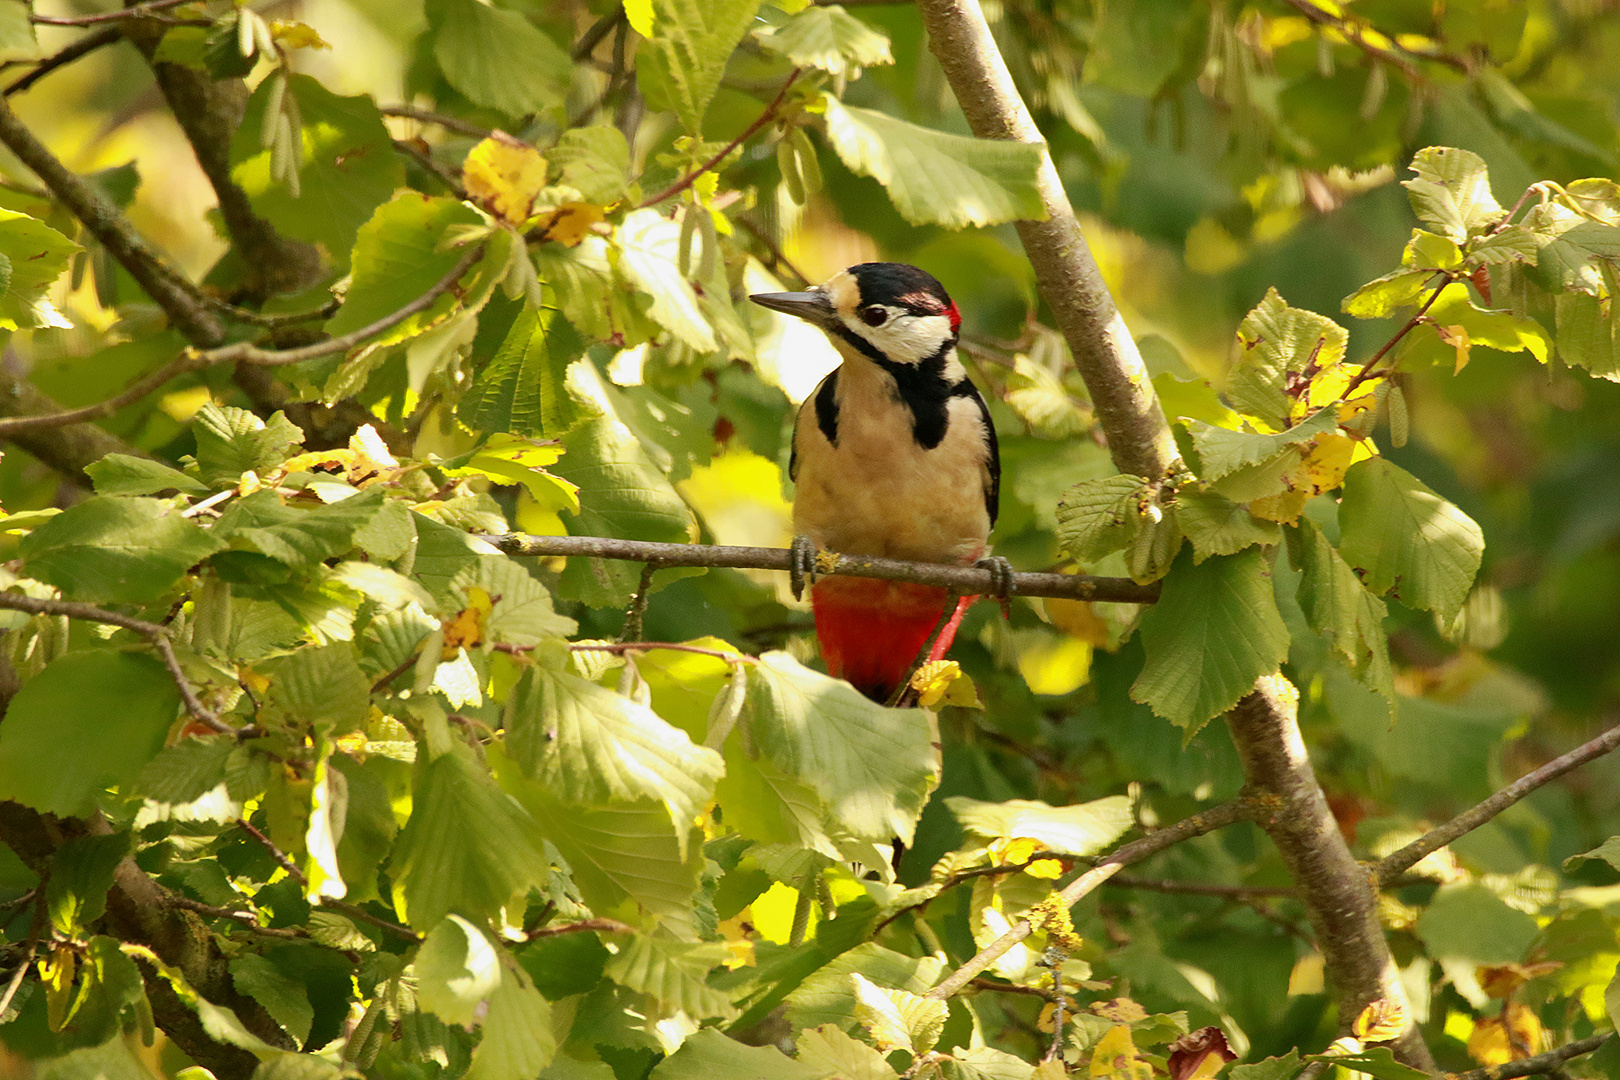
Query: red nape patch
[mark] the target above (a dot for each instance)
(955, 316)
(871, 630)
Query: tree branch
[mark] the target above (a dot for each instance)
(137, 11)
(83, 47)
(1537, 1065)
(968, 580)
(1393, 866)
(1263, 726)
(1137, 850)
(66, 449)
(690, 178)
(176, 296)
(240, 352)
(1070, 282)
(1337, 891)
(427, 116)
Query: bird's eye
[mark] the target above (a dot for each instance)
(873, 315)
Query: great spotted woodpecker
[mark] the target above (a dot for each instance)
(894, 455)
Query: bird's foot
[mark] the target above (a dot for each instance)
(1001, 581)
(801, 565)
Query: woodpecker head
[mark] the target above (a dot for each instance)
(889, 312)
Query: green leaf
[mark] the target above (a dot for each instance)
(898, 1019)
(674, 973)
(620, 852)
(456, 970)
(589, 745)
(518, 1041)
(1084, 829)
(938, 179)
(1470, 922)
(1276, 1068)
(397, 259)
(110, 550)
(498, 58)
(232, 441)
(1503, 330)
(263, 524)
(1041, 400)
(348, 166)
(692, 45)
(1452, 192)
(1608, 851)
(1405, 540)
(185, 771)
(872, 767)
(17, 41)
(828, 995)
(523, 390)
(1376, 1061)
(829, 39)
(284, 997)
(321, 687)
(833, 1053)
(648, 244)
(1338, 605)
(120, 474)
(1098, 517)
(1569, 248)
(710, 1055)
(468, 846)
(1224, 452)
(1586, 335)
(81, 873)
(595, 160)
(1514, 244)
(1218, 526)
(622, 493)
(33, 256)
(1426, 251)
(1214, 631)
(1274, 340)
(522, 613)
(113, 708)
(1137, 45)
(985, 1063)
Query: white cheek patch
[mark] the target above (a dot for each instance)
(908, 339)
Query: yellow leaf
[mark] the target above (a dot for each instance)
(1049, 869)
(1077, 619)
(505, 174)
(942, 682)
(1115, 1058)
(569, 224)
(1307, 976)
(1380, 1021)
(256, 684)
(1013, 851)
(1500, 980)
(1497, 1040)
(1457, 337)
(1044, 1021)
(468, 626)
(1121, 1010)
(296, 35)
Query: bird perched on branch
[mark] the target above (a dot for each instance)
(894, 455)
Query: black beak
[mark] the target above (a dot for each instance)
(812, 306)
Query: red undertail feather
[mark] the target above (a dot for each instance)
(871, 630)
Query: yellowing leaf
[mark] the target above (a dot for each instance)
(1121, 1010)
(1516, 1034)
(469, 626)
(505, 174)
(1380, 1021)
(1115, 1057)
(942, 682)
(570, 223)
(1013, 851)
(1047, 869)
(1077, 619)
(1457, 337)
(296, 35)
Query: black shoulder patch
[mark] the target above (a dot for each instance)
(827, 407)
(992, 487)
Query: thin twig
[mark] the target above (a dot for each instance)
(1535, 1066)
(447, 176)
(275, 853)
(139, 11)
(606, 926)
(647, 646)
(778, 256)
(246, 918)
(241, 352)
(1010, 988)
(1355, 32)
(428, 116)
(638, 605)
(83, 47)
(157, 634)
(1137, 850)
(34, 930)
(1417, 317)
(1193, 888)
(589, 40)
(354, 911)
(968, 580)
(690, 178)
(1392, 866)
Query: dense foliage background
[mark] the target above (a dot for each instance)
(302, 777)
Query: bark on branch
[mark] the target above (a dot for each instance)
(967, 580)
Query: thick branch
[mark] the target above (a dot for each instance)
(967, 580)
(1071, 284)
(1135, 851)
(1538, 1065)
(178, 299)
(66, 449)
(1337, 891)
(1393, 866)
